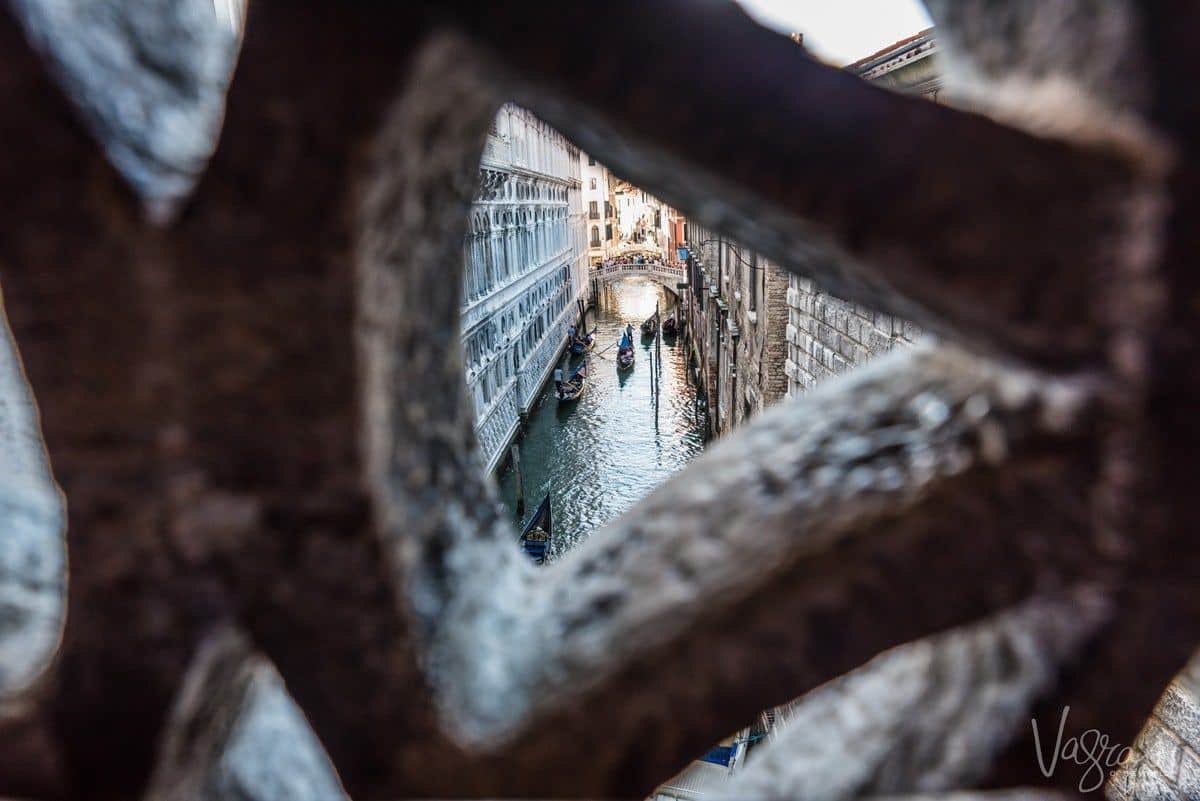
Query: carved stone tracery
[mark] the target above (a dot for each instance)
(369, 558)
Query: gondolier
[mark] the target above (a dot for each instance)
(625, 350)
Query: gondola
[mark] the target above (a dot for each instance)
(572, 388)
(670, 326)
(581, 344)
(650, 326)
(535, 538)
(625, 353)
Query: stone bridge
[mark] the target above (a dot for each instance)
(668, 275)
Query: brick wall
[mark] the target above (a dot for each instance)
(762, 347)
(827, 335)
(775, 383)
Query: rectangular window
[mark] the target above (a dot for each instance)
(593, 210)
(754, 281)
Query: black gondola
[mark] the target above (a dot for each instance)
(572, 388)
(625, 352)
(670, 326)
(580, 344)
(535, 539)
(650, 326)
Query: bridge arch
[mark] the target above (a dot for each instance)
(669, 274)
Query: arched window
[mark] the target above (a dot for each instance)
(595, 236)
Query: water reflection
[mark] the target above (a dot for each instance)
(600, 455)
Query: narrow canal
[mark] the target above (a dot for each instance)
(598, 456)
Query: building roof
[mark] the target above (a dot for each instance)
(891, 51)
(697, 780)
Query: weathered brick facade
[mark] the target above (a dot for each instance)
(760, 344)
(827, 335)
(738, 317)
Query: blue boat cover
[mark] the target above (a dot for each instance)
(537, 550)
(625, 343)
(721, 755)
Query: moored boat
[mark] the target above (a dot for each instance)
(535, 537)
(581, 344)
(670, 326)
(650, 326)
(572, 388)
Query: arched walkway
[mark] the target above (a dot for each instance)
(669, 275)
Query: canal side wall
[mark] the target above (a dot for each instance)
(736, 302)
(533, 380)
(547, 371)
(701, 325)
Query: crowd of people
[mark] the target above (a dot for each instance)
(630, 260)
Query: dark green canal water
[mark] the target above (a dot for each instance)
(598, 456)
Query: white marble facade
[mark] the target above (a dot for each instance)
(525, 267)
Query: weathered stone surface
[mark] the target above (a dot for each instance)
(33, 554)
(196, 391)
(203, 383)
(924, 717)
(1070, 59)
(1164, 762)
(149, 79)
(234, 732)
(994, 795)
